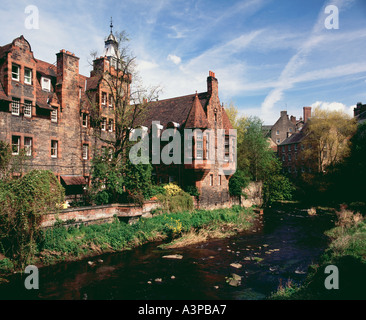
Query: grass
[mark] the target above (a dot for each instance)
(346, 251)
(183, 228)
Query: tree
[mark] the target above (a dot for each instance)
(327, 138)
(254, 153)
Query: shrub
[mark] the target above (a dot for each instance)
(172, 189)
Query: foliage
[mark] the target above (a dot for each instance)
(71, 242)
(10, 164)
(254, 153)
(327, 138)
(192, 190)
(276, 187)
(22, 203)
(238, 182)
(172, 189)
(176, 202)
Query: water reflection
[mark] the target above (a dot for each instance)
(280, 247)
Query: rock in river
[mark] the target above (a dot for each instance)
(173, 256)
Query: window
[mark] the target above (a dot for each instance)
(199, 145)
(110, 125)
(289, 157)
(85, 120)
(54, 147)
(289, 147)
(104, 124)
(207, 145)
(28, 146)
(27, 76)
(233, 148)
(46, 84)
(15, 70)
(85, 151)
(227, 148)
(220, 180)
(27, 108)
(104, 151)
(211, 179)
(15, 106)
(278, 141)
(283, 148)
(110, 101)
(15, 145)
(104, 98)
(54, 115)
(295, 147)
(277, 132)
(289, 129)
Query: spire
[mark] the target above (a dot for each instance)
(111, 47)
(197, 117)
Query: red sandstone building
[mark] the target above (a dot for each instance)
(45, 110)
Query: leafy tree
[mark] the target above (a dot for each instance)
(22, 203)
(114, 177)
(254, 153)
(276, 186)
(237, 183)
(327, 138)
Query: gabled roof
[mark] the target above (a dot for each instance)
(197, 117)
(172, 110)
(46, 69)
(296, 137)
(225, 120)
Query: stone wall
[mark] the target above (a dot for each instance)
(99, 214)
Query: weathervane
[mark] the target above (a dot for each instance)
(111, 26)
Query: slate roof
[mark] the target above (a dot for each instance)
(172, 110)
(296, 137)
(197, 117)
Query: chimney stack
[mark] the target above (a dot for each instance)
(212, 84)
(307, 113)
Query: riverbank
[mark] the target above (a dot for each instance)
(346, 251)
(75, 243)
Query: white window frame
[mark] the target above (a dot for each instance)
(110, 125)
(15, 75)
(28, 78)
(27, 111)
(15, 107)
(211, 180)
(54, 148)
(46, 84)
(85, 151)
(104, 124)
(28, 144)
(104, 98)
(85, 120)
(54, 115)
(199, 145)
(17, 145)
(110, 100)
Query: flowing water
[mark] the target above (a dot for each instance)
(281, 246)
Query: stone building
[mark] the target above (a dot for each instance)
(46, 110)
(285, 126)
(360, 112)
(211, 151)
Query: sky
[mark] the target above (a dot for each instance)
(268, 55)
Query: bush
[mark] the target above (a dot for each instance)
(172, 189)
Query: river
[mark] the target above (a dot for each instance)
(281, 246)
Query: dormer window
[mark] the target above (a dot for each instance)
(27, 76)
(15, 71)
(46, 84)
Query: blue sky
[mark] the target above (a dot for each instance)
(268, 55)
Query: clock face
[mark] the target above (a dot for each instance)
(215, 110)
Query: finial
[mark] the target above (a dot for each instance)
(111, 26)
